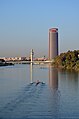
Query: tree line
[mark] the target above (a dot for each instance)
(67, 60)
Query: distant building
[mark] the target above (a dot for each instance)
(53, 43)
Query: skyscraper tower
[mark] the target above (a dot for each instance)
(53, 43)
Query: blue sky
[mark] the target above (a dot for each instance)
(24, 25)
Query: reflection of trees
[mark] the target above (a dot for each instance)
(69, 79)
(73, 75)
(72, 79)
(53, 77)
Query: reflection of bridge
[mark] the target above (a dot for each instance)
(28, 62)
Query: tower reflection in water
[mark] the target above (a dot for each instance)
(31, 73)
(53, 78)
(54, 95)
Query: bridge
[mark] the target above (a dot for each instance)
(28, 62)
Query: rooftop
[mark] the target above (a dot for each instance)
(53, 30)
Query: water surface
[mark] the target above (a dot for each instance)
(20, 98)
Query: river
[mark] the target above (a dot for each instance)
(55, 97)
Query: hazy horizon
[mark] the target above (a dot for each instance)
(24, 25)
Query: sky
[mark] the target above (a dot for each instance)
(24, 25)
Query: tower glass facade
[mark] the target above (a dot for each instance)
(53, 43)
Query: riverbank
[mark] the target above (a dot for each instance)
(5, 64)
